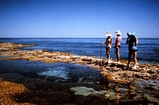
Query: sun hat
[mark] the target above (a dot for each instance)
(108, 33)
(117, 32)
(131, 33)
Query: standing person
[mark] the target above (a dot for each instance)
(108, 43)
(132, 42)
(117, 45)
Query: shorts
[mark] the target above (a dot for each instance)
(117, 46)
(132, 50)
(108, 46)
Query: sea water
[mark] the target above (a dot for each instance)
(148, 48)
(23, 70)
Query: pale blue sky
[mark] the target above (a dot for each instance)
(78, 18)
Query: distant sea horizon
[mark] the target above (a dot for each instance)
(66, 37)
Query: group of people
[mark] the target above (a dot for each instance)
(132, 42)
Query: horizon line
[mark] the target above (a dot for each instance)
(64, 37)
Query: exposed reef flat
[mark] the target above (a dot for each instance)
(119, 71)
(135, 81)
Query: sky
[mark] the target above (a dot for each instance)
(78, 18)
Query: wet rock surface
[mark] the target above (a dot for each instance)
(121, 84)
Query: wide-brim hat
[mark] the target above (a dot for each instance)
(108, 34)
(117, 32)
(131, 33)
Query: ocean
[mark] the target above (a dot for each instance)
(51, 83)
(148, 48)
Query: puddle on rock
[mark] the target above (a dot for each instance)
(56, 72)
(72, 73)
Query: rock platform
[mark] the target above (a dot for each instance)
(116, 73)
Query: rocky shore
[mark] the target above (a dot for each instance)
(119, 78)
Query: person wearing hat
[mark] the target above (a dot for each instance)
(108, 43)
(117, 45)
(132, 42)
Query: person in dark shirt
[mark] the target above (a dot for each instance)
(132, 42)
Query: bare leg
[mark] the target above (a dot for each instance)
(118, 54)
(129, 57)
(108, 53)
(135, 57)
